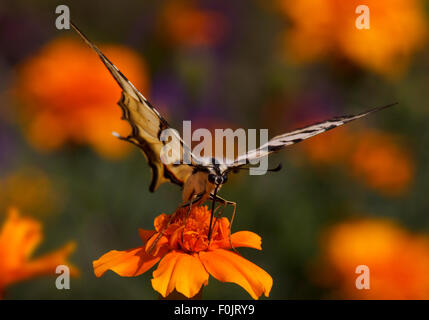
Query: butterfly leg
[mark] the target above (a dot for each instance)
(153, 245)
(225, 202)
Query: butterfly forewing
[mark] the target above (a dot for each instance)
(279, 142)
(147, 126)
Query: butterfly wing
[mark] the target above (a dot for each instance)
(279, 142)
(146, 127)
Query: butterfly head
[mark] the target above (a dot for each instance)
(218, 173)
(218, 179)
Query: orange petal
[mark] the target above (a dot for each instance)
(246, 239)
(241, 239)
(19, 237)
(227, 266)
(222, 227)
(180, 271)
(145, 235)
(162, 243)
(128, 263)
(175, 237)
(160, 221)
(47, 264)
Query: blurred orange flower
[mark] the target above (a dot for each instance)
(381, 163)
(398, 261)
(30, 189)
(331, 147)
(187, 258)
(185, 24)
(397, 29)
(69, 96)
(19, 237)
(374, 157)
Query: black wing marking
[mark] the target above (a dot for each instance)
(279, 142)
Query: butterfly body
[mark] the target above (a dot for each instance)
(206, 176)
(197, 186)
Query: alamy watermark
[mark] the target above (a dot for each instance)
(62, 282)
(228, 144)
(63, 20)
(363, 20)
(362, 281)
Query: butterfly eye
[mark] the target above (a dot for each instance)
(224, 179)
(212, 178)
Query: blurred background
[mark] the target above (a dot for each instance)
(356, 195)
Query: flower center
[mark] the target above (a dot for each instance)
(188, 231)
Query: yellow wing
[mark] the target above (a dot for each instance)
(147, 126)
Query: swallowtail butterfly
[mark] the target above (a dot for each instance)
(201, 178)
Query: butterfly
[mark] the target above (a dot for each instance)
(200, 178)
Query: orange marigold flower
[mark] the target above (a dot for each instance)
(381, 163)
(186, 258)
(397, 260)
(69, 96)
(329, 148)
(397, 29)
(374, 157)
(185, 24)
(19, 237)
